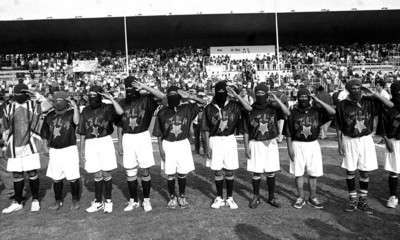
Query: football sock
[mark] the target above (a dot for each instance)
(256, 185)
(271, 187)
(75, 185)
(182, 185)
(171, 187)
(107, 188)
(146, 185)
(58, 188)
(18, 189)
(219, 184)
(34, 185)
(98, 190)
(363, 188)
(132, 188)
(351, 186)
(229, 187)
(393, 185)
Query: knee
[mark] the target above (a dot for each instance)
(270, 175)
(171, 177)
(364, 176)
(33, 175)
(351, 174)
(106, 175)
(219, 175)
(18, 176)
(181, 175)
(98, 176)
(228, 174)
(146, 174)
(256, 176)
(131, 174)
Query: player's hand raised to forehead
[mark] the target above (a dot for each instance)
(183, 93)
(273, 96)
(231, 92)
(72, 102)
(107, 96)
(138, 85)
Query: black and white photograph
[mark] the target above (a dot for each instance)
(189, 119)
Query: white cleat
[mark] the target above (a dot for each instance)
(131, 205)
(35, 206)
(218, 202)
(95, 207)
(108, 206)
(14, 207)
(231, 203)
(147, 205)
(392, 202)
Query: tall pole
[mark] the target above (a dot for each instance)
(277, 43)
(126, 47)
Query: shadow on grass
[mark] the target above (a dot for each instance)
(250, 232)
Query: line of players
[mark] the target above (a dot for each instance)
(221, 119)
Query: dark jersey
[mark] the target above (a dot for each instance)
(304, 124)
(389, 123)
(175, 126)
(222, 122)
(262, 125)
(137, 114)
(59, 129)
(98, 122)
(357, 120)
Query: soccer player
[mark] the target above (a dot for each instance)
(354, 117)
(389, 129)
(21, 118)
(136, 140)
(220, 120)
(97, 147)
(302, 130)
(261, 128)
(59, 128)
(172, 127)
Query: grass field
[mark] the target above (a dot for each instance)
(202, 222)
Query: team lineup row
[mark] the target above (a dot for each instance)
(27, 121)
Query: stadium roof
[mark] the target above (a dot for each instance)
(56, 9)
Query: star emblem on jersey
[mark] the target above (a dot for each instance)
(133, 122)
(222, 125)
(176, 130)
(263, 128)
(360, 126)
(56, 132)
(306, 131)
(95, 131)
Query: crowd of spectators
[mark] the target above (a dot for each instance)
(327, 65)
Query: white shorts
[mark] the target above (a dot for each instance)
(360, 154)
(138, 150)
(307, 156)
(392, 161)
(263, 158)
(63, 163)
(100, 154)
(24, 161)
(178, 157)
(224, 153)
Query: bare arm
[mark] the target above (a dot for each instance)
(244, 103)
(327, 107)
(385, 101)
(283, 107)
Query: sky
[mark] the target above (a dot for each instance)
(43, 9)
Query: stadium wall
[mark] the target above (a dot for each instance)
(200, 30)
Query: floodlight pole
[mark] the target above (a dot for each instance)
(277, 43)
(126, 47)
